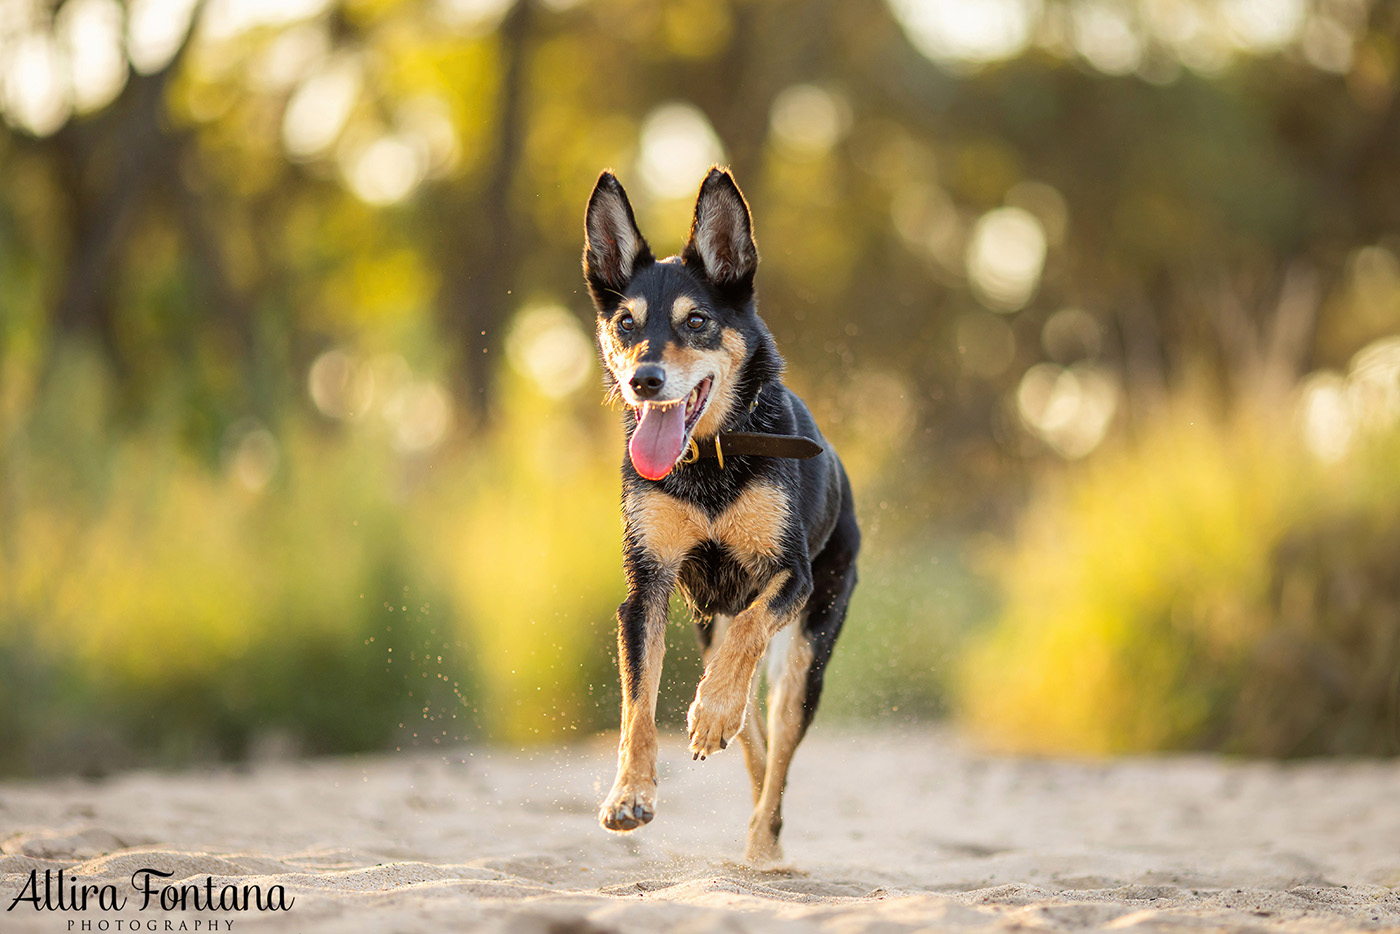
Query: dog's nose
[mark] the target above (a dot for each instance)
(647, 381)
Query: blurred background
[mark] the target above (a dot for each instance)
(302, 442)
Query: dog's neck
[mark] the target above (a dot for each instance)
(748, 408)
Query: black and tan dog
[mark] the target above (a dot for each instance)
(729, 494)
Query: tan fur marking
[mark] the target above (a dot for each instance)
(751, 528)
(721, 699)
(635, 785)
(785, 700)
(637, 745)
(755, 744)
(617, 356)
(685, 365)
(667, 527)
(748, 636)
(681, 310)
(727, 362)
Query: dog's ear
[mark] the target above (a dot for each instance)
(613, 247)
(721, 243)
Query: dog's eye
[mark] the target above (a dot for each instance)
(626, 323)
(695, 322)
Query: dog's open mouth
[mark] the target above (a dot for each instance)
(663, 428)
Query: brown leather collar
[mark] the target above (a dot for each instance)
(752, 443)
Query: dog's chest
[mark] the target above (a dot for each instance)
(750, 529)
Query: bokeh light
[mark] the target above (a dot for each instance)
(386, 170)
(677, 144)
(155, 30)
(1263, 24)
(251, 454)
(1107, 37)
(91, 32)
(340, 385)
(473, 17)
(35, 91)
(1069, 408)
(227, 19)
(548, 346)
(292, 56)
(421, 416)
(929, 223)
(808, 120)
(1005, 256)
(954, 31)
(318, 110)
(1337, 410)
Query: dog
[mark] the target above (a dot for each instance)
(729, 494)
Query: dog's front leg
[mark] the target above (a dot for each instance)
(641, 643)
(717, 713)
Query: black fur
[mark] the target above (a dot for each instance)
(820, 540)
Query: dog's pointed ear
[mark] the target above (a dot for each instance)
(721, 243)
(613, 247)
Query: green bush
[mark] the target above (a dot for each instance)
(1212, 586)
(156, 607)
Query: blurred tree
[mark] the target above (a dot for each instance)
(1195, 179)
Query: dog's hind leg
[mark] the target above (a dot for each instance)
(751, 735)
(787, 722)
(755, 741)
(796, 676)
(717, 714)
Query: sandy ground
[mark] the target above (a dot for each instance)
(885, 833)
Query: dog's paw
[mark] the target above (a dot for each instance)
(762, 850)
(628, 807)
(761, 845)
(716, 716)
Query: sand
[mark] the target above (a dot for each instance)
(885, 833)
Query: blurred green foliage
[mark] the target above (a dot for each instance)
(1212, 586)
(156, 609)
(295, 366)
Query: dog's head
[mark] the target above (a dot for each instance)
(675, 334)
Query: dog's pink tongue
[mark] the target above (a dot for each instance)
(658, 440)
